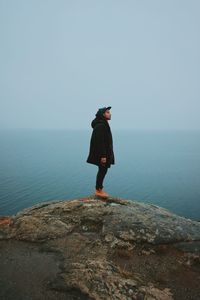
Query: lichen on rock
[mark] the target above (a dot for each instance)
(105, 249)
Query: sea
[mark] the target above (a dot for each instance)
(160, 167)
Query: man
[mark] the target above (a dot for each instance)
(101, 147)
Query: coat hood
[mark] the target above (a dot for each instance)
(98, 120)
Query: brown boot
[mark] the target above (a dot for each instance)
(101, 193)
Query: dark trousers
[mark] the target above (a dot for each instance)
(102, 170)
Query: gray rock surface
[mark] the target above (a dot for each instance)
(90, 248)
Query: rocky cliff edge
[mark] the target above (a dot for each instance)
(92, 248)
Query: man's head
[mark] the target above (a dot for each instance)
(105, 112)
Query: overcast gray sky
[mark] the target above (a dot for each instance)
(61, 60)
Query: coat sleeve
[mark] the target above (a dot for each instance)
(100, 140)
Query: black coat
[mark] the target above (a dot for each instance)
(101, 143)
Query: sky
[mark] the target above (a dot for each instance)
(62, 60)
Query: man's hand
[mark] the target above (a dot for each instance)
(103, 160)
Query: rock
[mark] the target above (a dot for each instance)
(102, 249)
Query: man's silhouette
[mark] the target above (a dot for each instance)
(101, 147)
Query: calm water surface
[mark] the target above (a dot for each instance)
(159, 167)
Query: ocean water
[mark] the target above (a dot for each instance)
(158, 167)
